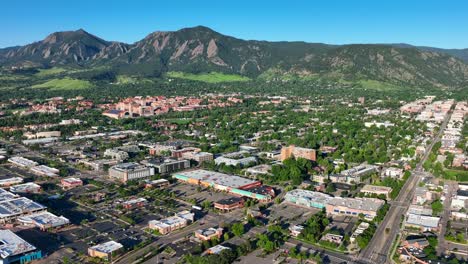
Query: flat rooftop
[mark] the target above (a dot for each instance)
(44, 219)
(107, 247)
(216, 178)
(12, 245)
(311, 196)
(375, 188)
(367, 204)
(423, 220)
(18, 206)
(127, 166)
(25, 187)
(12, 180)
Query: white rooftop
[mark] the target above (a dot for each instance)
(108, 247)
(423, 220)
(216, 178)
(11, 244)
(368, 204)
(44, 218)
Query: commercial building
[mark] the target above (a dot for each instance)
(99, 165)
(297, 152)
(116, 154)
(105, 250)
(308, 198)
(43, 170)
(393, 172)
(419, 210)
(40, 141)
(378, 190)
(10, 181)
(167, 225)
(13, 249)
(177, 154)
(165, 166)
(236, 159)
(262, 169)
(70, 183)
(216, 250)
(208, 233)
(29, 187)
(44, 220)
(160, 183)
(354, 206)
(130, 171)
(199, 157)
(230, 183)
(355, 175)
(12, 207)
(295, 230)
(424, 222)
(134, 203)
(229, 204)
(22, 162)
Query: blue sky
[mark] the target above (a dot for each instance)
(419, 22)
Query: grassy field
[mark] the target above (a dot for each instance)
(212, 77)
(371, 84)
(457, 175)
(51, 71)
(64, 84)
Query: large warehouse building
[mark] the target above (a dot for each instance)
(230, 183)
(335, 205)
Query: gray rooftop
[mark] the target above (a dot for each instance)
(216, 178)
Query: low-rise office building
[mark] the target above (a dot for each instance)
(236, 159)
(70, 183)
(14, 249)
(199, 157)
(165, 166)
(308, 198)
(354, 206)
(99, 165)
(134, 203)
(208, 233)
(105, 250)
(167, 225)
(393, 172)
(10, 181)
(43, 170)
(160, 183)
(44, 220)
(423, 222)
(22, 162)
(29, 187)
(229, 204)
(130, 171)
(378, 190)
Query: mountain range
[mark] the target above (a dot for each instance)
(201, 49)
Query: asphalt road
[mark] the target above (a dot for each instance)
(378, 249)
(442, 245)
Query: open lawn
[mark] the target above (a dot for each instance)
(457, 175)
(377, 85)
(51, 71)
(64, 84)
(212, 77)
